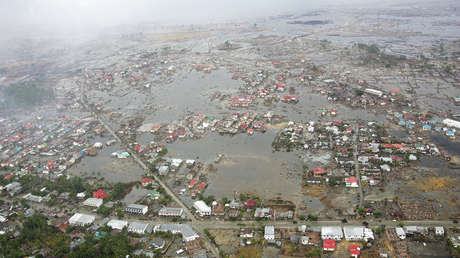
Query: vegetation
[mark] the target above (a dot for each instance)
(110, 246)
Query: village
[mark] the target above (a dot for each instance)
(233, 141)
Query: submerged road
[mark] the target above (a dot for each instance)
(355, 157)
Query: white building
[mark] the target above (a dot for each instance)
(400, 232)
(202, 208)
(93, 202)
(333, 232)
(140, 227)
(439, 231)
(451, 123)
(353, 233)
(33, 198)
(137, 208)
(269, 234)
(374, 92)
(117, 224)
(368, 234)
(188, 234)
(79, 219)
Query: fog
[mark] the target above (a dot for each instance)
(61, 16)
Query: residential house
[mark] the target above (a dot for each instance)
(137, 209)
(246, 233)
(33, 198)
(188, 234)
(351, 181)
(263, 213)
(400, 232)
(439, 231)
(269, 233)
(329, 245)
(355, 251)
(100, 194)
(13, 188)
(93, 202)
(146, 181)
(317, 172)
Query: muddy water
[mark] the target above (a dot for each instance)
(249, 165)
(190, 93)
(111, 169)
(447, 144)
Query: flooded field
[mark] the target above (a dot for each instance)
(248, 165)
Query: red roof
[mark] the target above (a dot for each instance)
(328, 244)
(318, 171)
(8, 176)
(192, 183)
(146, 180)
(251, 203)
(202, 186)
(100, 194)
(354, 250)
(351, 179)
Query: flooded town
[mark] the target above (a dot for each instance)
(322, 130)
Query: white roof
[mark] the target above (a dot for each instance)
(400, 231)
(269, 230)
(353, 231)
(332, 230)
(79, 218)
(93, 202)
(138, 226)
(117, 224)
(202, 206)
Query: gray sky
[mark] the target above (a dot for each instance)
(69, 15)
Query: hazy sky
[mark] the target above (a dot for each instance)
(68, 15)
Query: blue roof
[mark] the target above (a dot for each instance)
(411, 126)
(437, 128)
(432, 121)
(450, 132)
(402, 122)
(427, 127)
(398, 115)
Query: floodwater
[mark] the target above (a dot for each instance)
(104, 166)
(445, 143)
(248, 166)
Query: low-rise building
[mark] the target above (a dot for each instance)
(140, 227)
(202, 208)
(79, 219)
(93, 202)
(439, 231)
(137, 209)
(33, 198)
(331, 232)
(117, 224)
(188, 234)
(171, 212)
(269, 233)
(400, 232)
(329, 245)
(353, 233)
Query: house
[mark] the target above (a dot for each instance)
(269, 233)
(329, 245)
(263, 213)
(351, 181)
(251, 204)
(32, 198)
(218, 209)
(146, 181)
(137, 208)
(79, 219)
(314, 238)
(13, 188)
(158, 243)
(304, 240)
(202, 208)
(368, 234)
(400, 232)
(355, 251)
(192, 183)
(188, 234)
(100, 194)
(163, 170)
(426, 127)
(353, 233)
(317, 172)
(140, 227)
(93, 202)
(314, 180)
(439, 231)
(117, 224)
(331, 232)
(171, 212)
(246, 233)
(413, 230)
